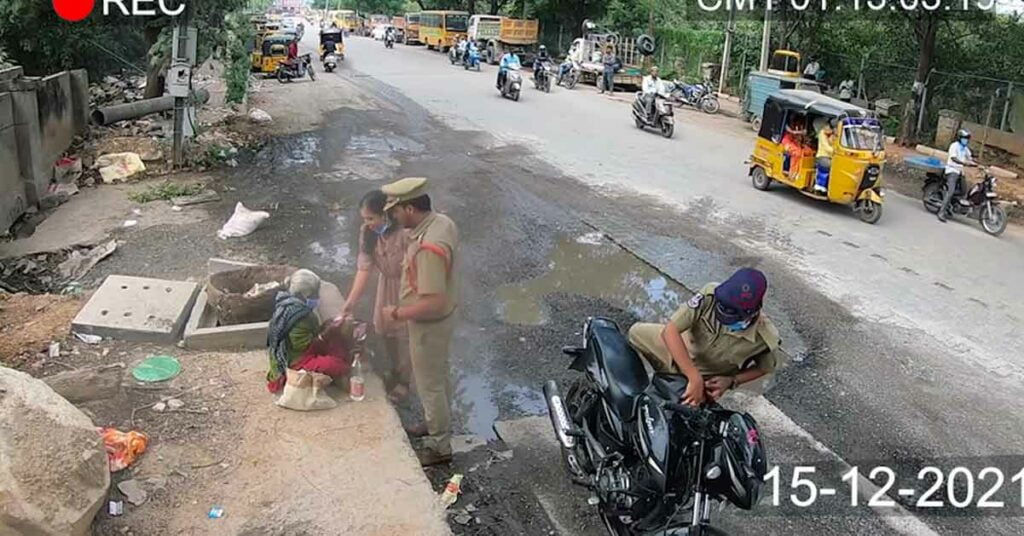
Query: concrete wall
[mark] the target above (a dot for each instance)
(12, 191)
(950, 122)
(47, 112)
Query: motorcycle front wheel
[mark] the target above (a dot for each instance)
(571, 82)
(282, 76)
(993, 219)
(312, 74)
(667, 128)
(710, 105)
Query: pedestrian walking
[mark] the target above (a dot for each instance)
(611, 65)
(427, 302)
(382, 247)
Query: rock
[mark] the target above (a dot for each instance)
(259, 116)
(463, 519)
(174, 403)
(53, 467)
(159, 407)
(133, 492)
(85, 385)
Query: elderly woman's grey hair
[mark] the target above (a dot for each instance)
(304, 283)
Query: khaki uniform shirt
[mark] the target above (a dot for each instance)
(714, 350)
(433, 273)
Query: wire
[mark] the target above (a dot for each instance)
(115, 55)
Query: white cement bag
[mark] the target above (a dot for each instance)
(242, 222)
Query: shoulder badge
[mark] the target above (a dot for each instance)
(695, 301)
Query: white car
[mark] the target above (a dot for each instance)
(379, 31)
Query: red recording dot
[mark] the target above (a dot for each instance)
(73, 10)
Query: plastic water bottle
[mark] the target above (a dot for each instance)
(356, 384)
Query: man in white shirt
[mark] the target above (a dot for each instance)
(959, 156)
(651, 87)
(811, 70)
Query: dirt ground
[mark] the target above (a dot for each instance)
(30, 322)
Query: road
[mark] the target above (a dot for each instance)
(903, 335)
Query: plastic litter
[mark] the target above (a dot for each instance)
(115, 508)
(67, 170)
(304, 391)
(451, 491)
(131, 223)
(215, 513)
(242, 222)
(123, 448)
(88, 338)
(157, 368)
(356, 382)
(54, 351)
(117, 167)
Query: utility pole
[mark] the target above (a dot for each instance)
(766, 35)
(181, 102)
(730, 28)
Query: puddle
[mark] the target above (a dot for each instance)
(294, 151)
(384, 143)
(338, 255)
(361, 167)
(478, 398)
(590, 266)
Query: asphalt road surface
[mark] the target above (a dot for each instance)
(903, 335)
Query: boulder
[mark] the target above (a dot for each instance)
(53, 467)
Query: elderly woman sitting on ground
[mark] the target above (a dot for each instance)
(296, 338)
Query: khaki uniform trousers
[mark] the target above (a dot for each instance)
(429, 348)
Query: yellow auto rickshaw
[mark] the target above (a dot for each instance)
(787, 145)
(272, 52)
(332, 48)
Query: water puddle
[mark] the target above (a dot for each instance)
(295, 151)
(591, 266)
(338, 256)
(383, 143)
(478, 397)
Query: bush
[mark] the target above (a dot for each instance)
(240, 33)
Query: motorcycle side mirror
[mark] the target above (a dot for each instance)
(572, 351)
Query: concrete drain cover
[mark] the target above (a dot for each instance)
(137, 309)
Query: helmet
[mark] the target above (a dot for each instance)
(542, 47)
(738, 463)
(963, 133)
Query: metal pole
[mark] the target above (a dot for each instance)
(180, 103)
(1006, 107)
(743, 73)
(988, 121)
(860, 77)
(920, 112)
(766, 35)
(726, 52)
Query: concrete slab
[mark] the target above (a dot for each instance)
(216, 266)
(203, 333)
(138, 309)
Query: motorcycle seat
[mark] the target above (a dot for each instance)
(627, 377)
(668, 386)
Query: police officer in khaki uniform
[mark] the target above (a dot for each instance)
(427, 302)
(719, 339)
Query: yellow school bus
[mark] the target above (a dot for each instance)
(347, 20)
(442, 29)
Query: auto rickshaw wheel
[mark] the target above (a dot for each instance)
(869, 211)
(755, 124)
(760, 179)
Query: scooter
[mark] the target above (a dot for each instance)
(980, 201)
(302, 66)
(513, 83)
(652, 465)
(472, 60)
(660, 117)
(699, 96)
(568, 74)
(542, 77)
(389, 41)
(454, 55)
(330, 62)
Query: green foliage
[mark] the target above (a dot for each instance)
(385, 7)
(238, 37)
(165, 191)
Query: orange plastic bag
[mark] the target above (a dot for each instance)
(123, 448)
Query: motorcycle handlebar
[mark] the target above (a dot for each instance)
(689, 411)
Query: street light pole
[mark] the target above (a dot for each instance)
(766, 35)
(730, 27)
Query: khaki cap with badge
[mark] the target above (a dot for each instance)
(404, 190)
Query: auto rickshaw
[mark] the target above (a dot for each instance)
(327, 36)
(787, 143)
(273, 50)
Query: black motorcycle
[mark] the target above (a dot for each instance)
(700, 96)
(302, 66)
(389, 41)
(980, 201)
(542, 77)
(660, 116)
(568, 74)
(654, 465)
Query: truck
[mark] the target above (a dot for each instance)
(587, 51)
(495, 36)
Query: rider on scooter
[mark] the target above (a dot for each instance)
(509, 61)
(719, 339)
(539, 61)
(959, 156)
(651, 87)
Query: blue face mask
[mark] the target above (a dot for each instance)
(963, 142)
(739, 326)
(383, 228)
(312, 303)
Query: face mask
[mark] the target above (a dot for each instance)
(312, 303)
(739, 326)
(383, 228)
(963, 142)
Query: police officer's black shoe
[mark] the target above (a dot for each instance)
(942, 217)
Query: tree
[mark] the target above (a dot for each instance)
(925, 27)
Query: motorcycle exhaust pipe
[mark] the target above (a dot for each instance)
(559, 416)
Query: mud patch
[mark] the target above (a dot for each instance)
(336, 255)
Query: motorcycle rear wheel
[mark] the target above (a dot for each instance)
(931, 196)
(282, 76)
(993, 219)
(312, 74)
(710, 105)
(571, 82)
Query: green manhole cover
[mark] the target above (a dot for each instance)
(157, 368)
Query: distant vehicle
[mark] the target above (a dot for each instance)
(412, 29)
(346, 19)
(588, 51)
(378, 32)
(497, 35)
(442, 29)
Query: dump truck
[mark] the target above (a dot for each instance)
(496, 35)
